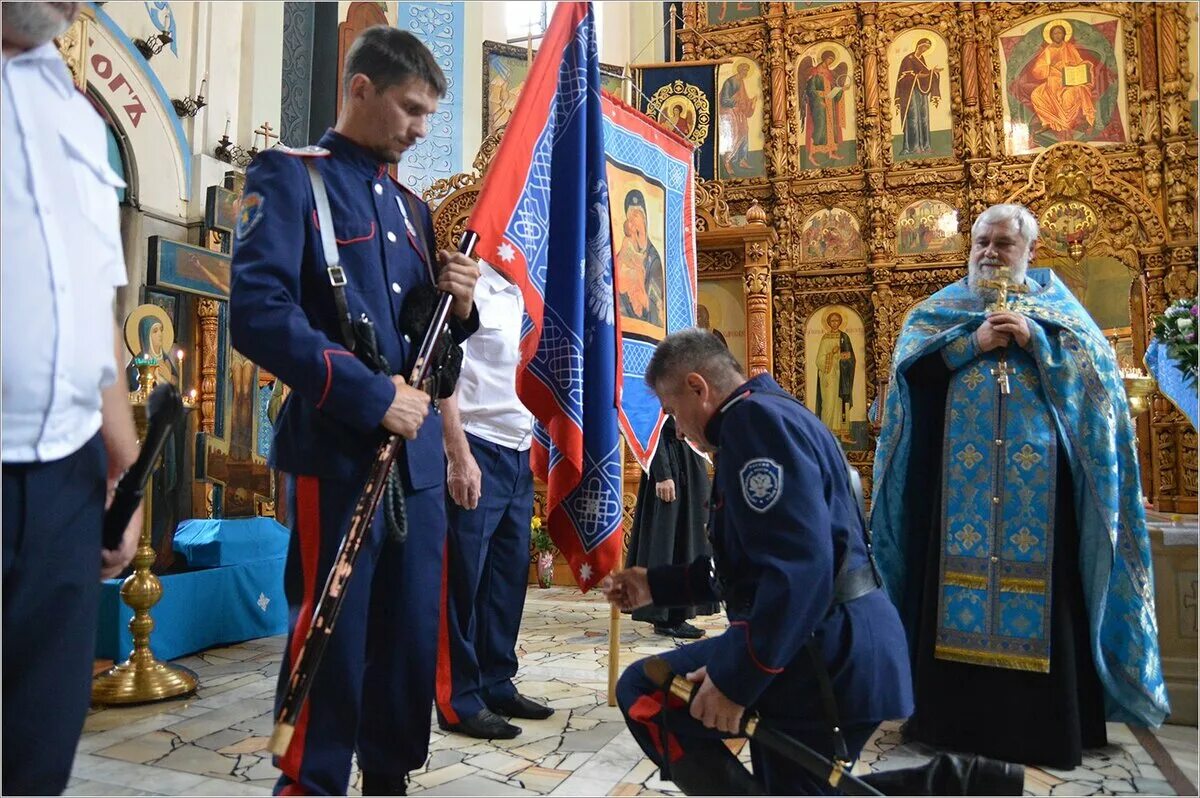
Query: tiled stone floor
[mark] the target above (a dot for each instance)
(212, 743)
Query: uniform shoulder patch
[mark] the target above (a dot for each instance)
(250, 212)
(762, 483)
(311, 151)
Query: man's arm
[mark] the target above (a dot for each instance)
(266, 321)
(119, 434)
(790, 544)
(462, 472)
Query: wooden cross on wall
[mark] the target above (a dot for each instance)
(265, 131)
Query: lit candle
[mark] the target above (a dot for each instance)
(203, 83)
(226, 125)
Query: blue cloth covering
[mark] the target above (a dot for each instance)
(213, 542)
(1171, 380)
(1078, 371)
(200, 609)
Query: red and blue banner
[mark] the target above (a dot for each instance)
(651, 181)
(542, 219)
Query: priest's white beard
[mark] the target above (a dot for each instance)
(987, 270)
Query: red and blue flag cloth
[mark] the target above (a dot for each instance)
(542, 219)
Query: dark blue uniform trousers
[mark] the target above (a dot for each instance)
(641, 702)
(374, 689)
(53, 514)
(487, 555)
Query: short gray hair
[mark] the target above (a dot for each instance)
(1027, 225)
(691, 350)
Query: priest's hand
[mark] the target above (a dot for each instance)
(628, 589)
(665, 490)
(987, 337)
(1011, 324)
(711, 707)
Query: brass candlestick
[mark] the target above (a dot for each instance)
(142, 678)
(1139, 389)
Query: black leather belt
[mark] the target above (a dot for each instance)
(847, 586)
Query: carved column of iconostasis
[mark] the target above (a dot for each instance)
(1174, 275)
(757, 266)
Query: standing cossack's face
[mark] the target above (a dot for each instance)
(398, 117)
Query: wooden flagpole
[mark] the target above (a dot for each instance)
(614, 613)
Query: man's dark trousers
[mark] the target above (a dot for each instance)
(53, 513)
(373, 691)
(487, 573)
(641, 701)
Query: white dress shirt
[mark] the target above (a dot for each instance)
(62, 259)
(487, 392)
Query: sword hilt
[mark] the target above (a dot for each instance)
(659, 671)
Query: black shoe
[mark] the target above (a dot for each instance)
(712, 770)
(382, 784)
(684, 630)
(952, 774)
(518, 706)
(484, 724)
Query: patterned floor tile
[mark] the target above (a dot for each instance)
(213, 743)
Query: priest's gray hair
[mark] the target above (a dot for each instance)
(697, 350)
(1027, 225)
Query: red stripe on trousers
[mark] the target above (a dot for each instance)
(308, 526)
(445, 686)
(645, 711)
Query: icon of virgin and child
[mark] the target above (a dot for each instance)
(639, 266)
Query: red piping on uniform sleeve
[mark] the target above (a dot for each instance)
(750, 649)
(329, 373)
(367, 237)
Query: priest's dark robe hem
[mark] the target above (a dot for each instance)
(1018, 716)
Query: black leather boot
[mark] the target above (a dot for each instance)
(712, 771)
(952, 774)
(383, 784)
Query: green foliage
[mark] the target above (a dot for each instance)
(539, 537)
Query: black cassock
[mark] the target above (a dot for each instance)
(666, 533)
(1018, 716)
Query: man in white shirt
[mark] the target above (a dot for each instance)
(68, 431)
(487, 432)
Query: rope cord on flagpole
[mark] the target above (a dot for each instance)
(629, 78)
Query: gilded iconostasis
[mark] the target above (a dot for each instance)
(867, 137)
(845, 148)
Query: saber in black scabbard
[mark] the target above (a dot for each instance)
(329, 605)
(837, 774)
(944, 774)
(163, 411)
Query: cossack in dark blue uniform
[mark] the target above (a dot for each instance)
(373, 693)
(783, 521)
